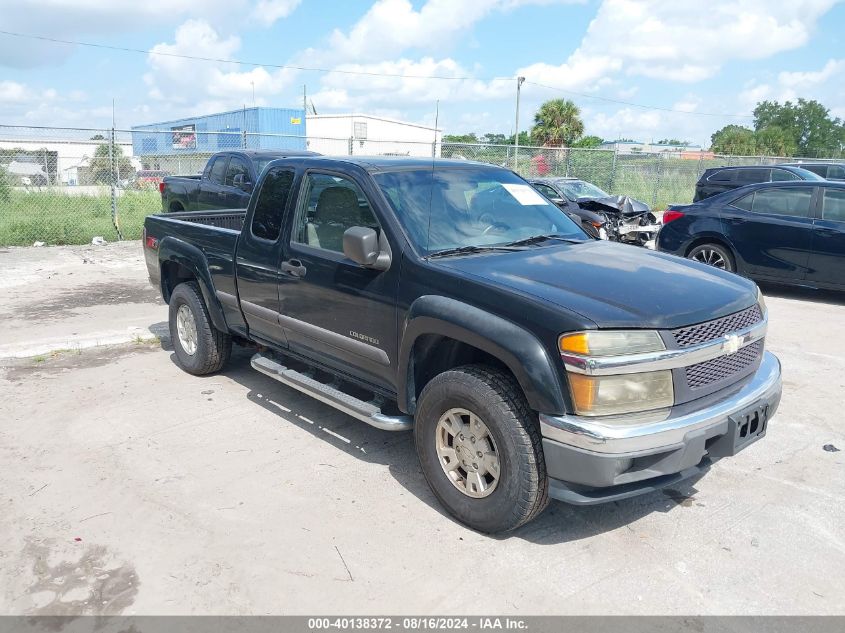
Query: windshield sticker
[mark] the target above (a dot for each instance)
(526, 195)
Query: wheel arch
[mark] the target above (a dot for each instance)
(180, 262)
(442, 333)
(715, 238)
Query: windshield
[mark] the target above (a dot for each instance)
(575, 189)
(449, 208)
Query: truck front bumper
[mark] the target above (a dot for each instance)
(595, 460)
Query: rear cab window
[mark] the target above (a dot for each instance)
(218, 170)
(270, 207)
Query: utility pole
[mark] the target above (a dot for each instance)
(304, 100)
(519, 81)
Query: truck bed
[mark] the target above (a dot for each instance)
(232, 219)
(215, 233)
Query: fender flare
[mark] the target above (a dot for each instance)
(172, 249)
(517, 348)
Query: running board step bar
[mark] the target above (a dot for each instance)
(365, 411)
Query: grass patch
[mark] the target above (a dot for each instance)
(56, 218)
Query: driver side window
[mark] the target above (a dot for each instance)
(328, 206)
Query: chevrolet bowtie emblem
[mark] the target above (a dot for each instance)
(731, 345)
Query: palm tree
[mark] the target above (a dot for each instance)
(557, 123)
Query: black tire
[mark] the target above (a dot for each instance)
(213, 347)
(714, 255)
(522, 489)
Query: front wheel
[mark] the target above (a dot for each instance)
(713, 255)
(480, 450)
(200, 347)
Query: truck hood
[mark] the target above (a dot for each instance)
(615, 285)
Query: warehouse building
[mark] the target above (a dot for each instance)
(366, 135)
(252, 128)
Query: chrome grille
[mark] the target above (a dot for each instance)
(717, 369)
(717, 328)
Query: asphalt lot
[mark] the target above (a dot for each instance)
(128, 486)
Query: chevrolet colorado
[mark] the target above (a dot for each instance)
(451, 298)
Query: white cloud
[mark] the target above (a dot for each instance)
(267, 12)
(79, 19)
(824, 85)
(811, 79)
(580, 72)
(13, 92)
(641, 125)
(352, 92)
(183, 86)
(677, 42)
(392, 27)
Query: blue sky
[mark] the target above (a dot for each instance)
(673, 55)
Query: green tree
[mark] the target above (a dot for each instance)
(805, 125)
(734, 139)
(557, 123)
(588, 141)
(524, 139)
(672, 141)
(101, 166)
(494, 139)
(460, 138)
(774, 141)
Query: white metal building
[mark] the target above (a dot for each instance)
(70, 155)
(363, 134)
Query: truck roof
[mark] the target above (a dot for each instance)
(270, 153)
(389, 163)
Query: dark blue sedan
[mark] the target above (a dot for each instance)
(786, 232)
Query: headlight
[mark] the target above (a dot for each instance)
(609, 343)
(616, 394)
(627, 393)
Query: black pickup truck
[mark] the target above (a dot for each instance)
(450, 298)
(225, 183)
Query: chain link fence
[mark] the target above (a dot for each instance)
(70, 185)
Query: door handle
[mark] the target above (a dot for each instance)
(221, 193)
(825, 231)
(294, 268)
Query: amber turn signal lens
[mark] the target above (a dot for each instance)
(583, 391)
(575, 343)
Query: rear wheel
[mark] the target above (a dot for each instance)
(714, 255)
(200, 348)
(480, 449)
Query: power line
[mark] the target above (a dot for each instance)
(638, 105)
(340, 71)
(246, 63)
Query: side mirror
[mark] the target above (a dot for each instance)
(362, 245)
(242, 183)
(558, 201)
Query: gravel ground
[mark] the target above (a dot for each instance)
(128, 486)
